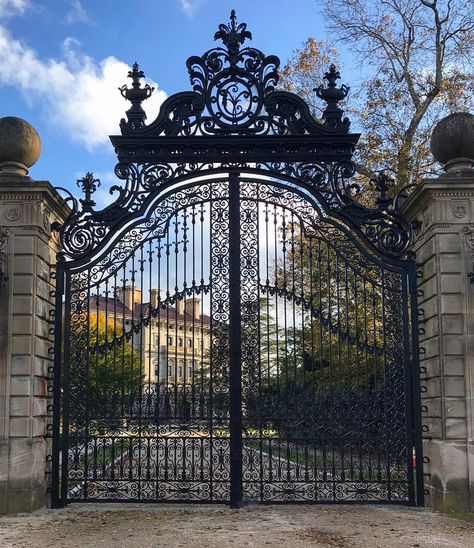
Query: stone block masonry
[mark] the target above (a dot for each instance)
(444, 209)
(28, 247)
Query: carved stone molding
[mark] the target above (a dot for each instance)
(469, 235)
(4, 234)
(425, 220)
(13, 213)
(460, 210)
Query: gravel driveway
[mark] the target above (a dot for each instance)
(92, 525)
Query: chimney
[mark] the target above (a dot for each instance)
(129, 296)
(193, 308)
(180, 306)
(154, 297)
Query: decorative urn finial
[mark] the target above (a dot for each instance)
(452, 142)
(332, 114)
(136, 95)
(20, 146)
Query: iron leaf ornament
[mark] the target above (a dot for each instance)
(233, 35)
(88, 185)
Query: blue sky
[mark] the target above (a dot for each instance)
(61, 62)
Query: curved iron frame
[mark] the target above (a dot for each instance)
(234, 121)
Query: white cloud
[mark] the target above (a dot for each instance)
(9, 8)
(187, 7)
(78, 94)
(77, 13)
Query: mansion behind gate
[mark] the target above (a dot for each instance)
(174, 347)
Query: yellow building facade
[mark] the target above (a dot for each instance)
(173, 341)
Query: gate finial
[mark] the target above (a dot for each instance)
(382, 182)
(136, 95)
(232, 34)
(332, 114)
(88, 185)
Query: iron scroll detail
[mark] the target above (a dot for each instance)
(234, 92)
(235, 118)
(384, 227)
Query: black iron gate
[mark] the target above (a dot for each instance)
(236, 326)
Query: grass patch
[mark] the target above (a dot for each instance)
(463, 516)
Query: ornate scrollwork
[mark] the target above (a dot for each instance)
(234, 117)
(332, 183)
(234, 93)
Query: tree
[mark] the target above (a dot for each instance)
(105, 369)
(305, 71)
(416, 59)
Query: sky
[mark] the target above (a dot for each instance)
(62, 61)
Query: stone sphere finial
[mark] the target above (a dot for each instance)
(20, 146)
(452, 142)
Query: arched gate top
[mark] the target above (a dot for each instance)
(234, 95)
(235, 118)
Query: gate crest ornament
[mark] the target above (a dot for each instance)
(234, 93)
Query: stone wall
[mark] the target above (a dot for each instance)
(443, 209)
(27, 251)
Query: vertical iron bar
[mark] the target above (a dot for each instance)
(235, 387)
(65, 417)
(415, 387)
(56, 501)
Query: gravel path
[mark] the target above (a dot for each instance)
(171, 526)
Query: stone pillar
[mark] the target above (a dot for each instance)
(27, 252)
(443, 210)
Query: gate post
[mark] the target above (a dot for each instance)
(27, 252)
(443, 212)
(235, 345)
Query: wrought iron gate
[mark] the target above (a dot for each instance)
(236, 326)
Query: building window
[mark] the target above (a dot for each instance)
(190, 372)
(180, 341)
(169, 371)
(157, 341)
(201, 345)
(180, 371)
(190, 343)
(170, 341)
